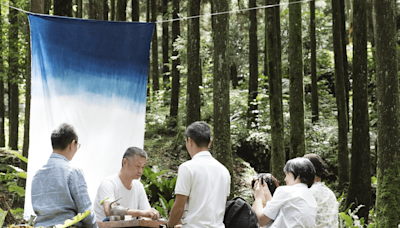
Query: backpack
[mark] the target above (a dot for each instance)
(240, 214)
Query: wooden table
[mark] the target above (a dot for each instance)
(132, 223)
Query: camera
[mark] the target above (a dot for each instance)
(269, 179)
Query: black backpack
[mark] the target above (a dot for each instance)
(240, 214)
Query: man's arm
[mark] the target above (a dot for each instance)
(177, 210)
(150, 213)
(79, 193)
(261, 193)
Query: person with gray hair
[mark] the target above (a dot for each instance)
(126, 184)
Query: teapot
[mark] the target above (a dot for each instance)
(117, 210)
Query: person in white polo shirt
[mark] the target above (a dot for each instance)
(203, 184)
(292, 205)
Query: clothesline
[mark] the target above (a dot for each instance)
(198, 16)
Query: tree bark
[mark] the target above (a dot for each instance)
(63, 8)
(47, 6)
(344, 54)
(105, 10)
(154, 49)
(275, 90)
(296, 94)
(79, 12)
(340, 92)
(121, 10)
(176, 31)
(194, 69)
(253, 61)
(13, 78)
(234, 77)
(112, 14)
(135, 10)
(388, 172)
(2, 109)
(222, 138)
(165, 46)
(360, 174)
(314, 80)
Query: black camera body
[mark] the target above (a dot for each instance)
(270, 180)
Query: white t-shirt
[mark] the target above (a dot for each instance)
(292, 206)
(328, 207)
(206, 182)
(113, 188)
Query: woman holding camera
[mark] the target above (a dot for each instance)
(292, 205)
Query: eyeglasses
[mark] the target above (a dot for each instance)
(78, 145)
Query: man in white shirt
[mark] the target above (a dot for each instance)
(203, 184)
(292, 205)
(126, 184)
(328, 207)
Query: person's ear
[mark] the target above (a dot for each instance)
(124, 161)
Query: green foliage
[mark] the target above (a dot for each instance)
(156, 185)
(165, 207)
(69, 222)
(13, 187)
(3, 215)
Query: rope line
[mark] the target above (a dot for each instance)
(233, 11)
(198, 16)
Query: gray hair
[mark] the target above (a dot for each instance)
(132, 152)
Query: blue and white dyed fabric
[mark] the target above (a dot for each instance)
(93, 75)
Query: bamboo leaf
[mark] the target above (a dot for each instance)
(69, 222)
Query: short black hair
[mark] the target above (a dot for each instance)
(132, 152)
(318, 163)
(62, 136)
(301, 167)
(200, 133)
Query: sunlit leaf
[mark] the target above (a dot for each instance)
(346, 218)
(17, 189)
(69, 222)
(2, 217)
(101, 203)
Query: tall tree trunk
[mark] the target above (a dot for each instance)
(275, 90)
(112, 14)
(222, 138)
(234, 77)
(121, 10)
(79, 12)
(47, 6)
(135, 10)
(370, 23)
(360, 155)
(253, 61)
(63, 8)
(13, 78)
(344, 55)
(105, 10)
(165, 45)
(265, 41)
(176, 31)
(388, 192)
(340, 92)
(296, 95)
(2, 111)
(194, 69)
(154, 49)
(314, 80)
(91, 9)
